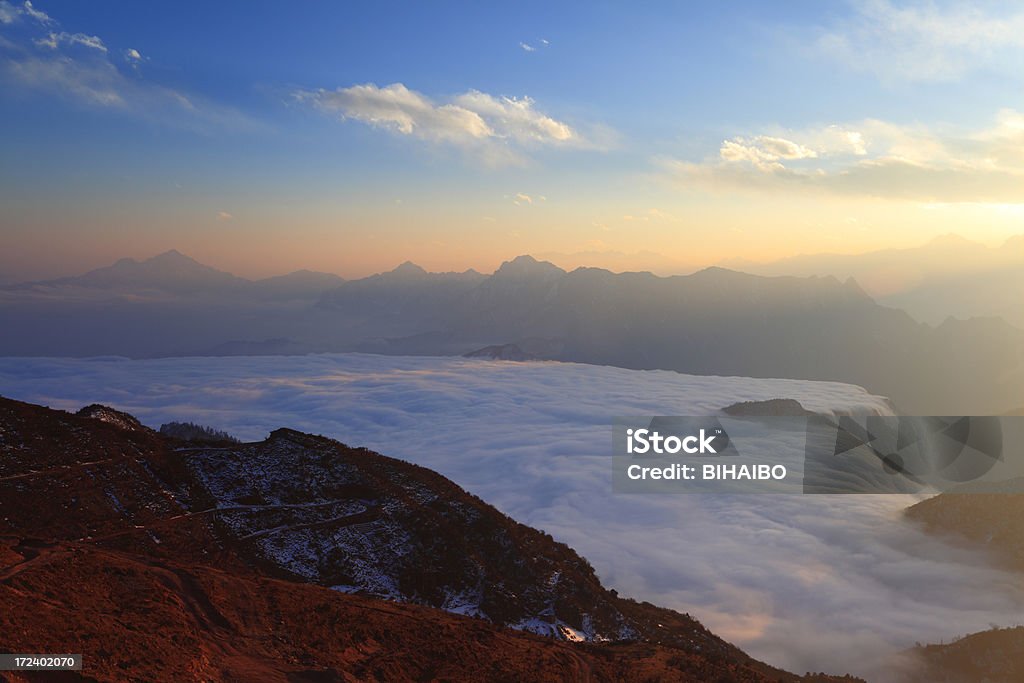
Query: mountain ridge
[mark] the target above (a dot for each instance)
(714, 322)
(948, 275)
(152, 531)
(174, 271)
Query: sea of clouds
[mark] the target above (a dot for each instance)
(835, 583)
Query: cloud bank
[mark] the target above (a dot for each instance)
(804, 582)
(870, 158)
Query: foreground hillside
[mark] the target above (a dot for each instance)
(531, 439)
(139, 618)
(164, 560)
(993, 522)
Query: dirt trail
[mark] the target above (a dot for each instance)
(368, 515)
(35, 553)
(61, 468)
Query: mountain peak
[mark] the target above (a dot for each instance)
(173, 263)
(168, 271)
(408, 269)
(527, 265)
(171, 256)
(720, 273)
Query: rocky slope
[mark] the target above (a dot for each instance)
(166, 560)
(138, 618)
(361, 522)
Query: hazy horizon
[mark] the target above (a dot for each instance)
(615, 261)
(805, 129)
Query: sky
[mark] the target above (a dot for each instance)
(350, 137)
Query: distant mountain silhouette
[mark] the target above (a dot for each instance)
(170, 271)
(402, 302)
(715, 321)
(175, 273)
(302, 284)
(948, 276)
(500, 352)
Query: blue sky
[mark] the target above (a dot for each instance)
(350, 137)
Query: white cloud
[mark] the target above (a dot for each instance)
(8, 12)
(11, 13)
(38, 15)
(96, 83)
(872, 158)
(77, 66)
(924, 41)
(542, 43)
(764, 152)
(835, 139)
(397, 108)
(522, 198)
(806, 582)
(224, 216)
(780, 148)
(516, 118)
(494, 127)
(53, 40)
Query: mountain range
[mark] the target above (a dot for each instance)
(173, 273)
(948, 276)
(164, 559)
(716, 321)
